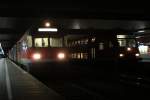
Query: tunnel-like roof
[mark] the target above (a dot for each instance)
(16, 18)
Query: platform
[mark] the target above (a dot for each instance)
(17, 84)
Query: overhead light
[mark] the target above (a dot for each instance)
(121, 36)
(47, 29)
(47, 24)
(141, 31)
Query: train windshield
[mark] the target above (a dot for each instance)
(126, 41)
(48, 42)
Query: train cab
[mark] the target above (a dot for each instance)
(128, 48)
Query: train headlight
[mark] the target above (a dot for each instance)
(121, 55)
(36, 56)
(61, 55)
(129, 49)
(137, 54)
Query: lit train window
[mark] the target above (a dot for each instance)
(41, 42)
(121, 36)
(56, 42)
(86, 41)
(78, 41)
(78, 55)
(29, 41)
(101, 46)
(127, 42)
(122, 42)
(84, 55)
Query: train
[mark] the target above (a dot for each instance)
(73, 45)
(103, 46)
(39, 48)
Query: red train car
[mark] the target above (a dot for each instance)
(40, 47)
(128, 48)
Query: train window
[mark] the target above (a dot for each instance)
(81, 55)
(56, 42)
(41, 42)
(84, 55)
(74, 55)
(131, 43)
(110, 44)
(84, 41)
(44, 42)
(122, 42)
(78, 41)
(29, 41)
(72, 44)
(127, 42)
(121, 36)
(78, 55)
(38, 42)
(101, 46)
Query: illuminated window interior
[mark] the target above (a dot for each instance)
(84, 55)
(29, 41)
(121, 36)
(122, 42)
(143, 49)
(127, 42)
(78, 55)
(41, 42)
(101, 46)
(56, 42)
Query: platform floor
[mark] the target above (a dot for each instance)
(17, 84)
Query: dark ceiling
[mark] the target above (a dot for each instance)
(16, 18)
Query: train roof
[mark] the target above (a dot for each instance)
(82, 32)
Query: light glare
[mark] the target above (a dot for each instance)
(137, 54)
(128, 49)
(47, 24)
(36, 56)
(121, 55)
(61, 55)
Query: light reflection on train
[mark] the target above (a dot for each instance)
(81, 45)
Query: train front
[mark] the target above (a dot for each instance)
(42, 45)
(128, 48)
